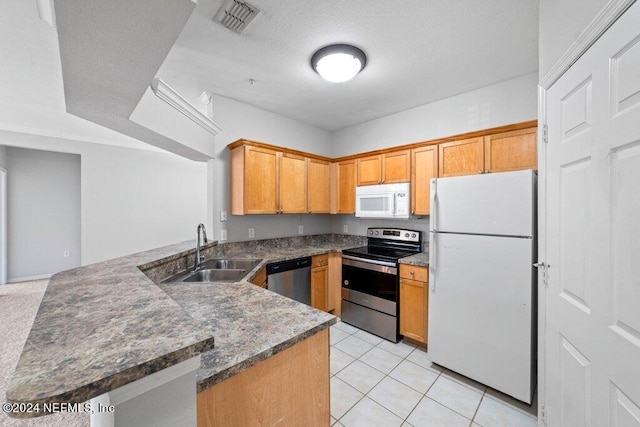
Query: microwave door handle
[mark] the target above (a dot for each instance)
(395, 204)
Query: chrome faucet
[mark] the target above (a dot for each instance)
(198, 261)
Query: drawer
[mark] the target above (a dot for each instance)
(320, 260)
(414, 272)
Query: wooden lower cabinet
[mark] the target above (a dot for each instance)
(260, 279)
(289, 389)
(414, 302)
(320, 282)
(335, 283)
(326, 278)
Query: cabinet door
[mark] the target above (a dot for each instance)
(260, 180)
(511, 151)
(424, 166)
(260, 279)
(413, 309)
(347, 187)
(334, 293)
(370, 170)
(318, 186)
(319, 287)
(464, 157)
(396, 167)
(293, 184)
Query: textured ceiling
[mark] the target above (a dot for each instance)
(418, 51)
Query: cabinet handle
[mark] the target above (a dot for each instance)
(413, 273)
(480, 171)
(309, 211)
(486, 171)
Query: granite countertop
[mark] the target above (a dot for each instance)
(100, 327)
(421, 259)
(105, 325)
(250, 323)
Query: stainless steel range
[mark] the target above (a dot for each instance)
(370, 282)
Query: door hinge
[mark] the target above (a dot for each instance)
(545, 133)
(544, 270)
(543, 415)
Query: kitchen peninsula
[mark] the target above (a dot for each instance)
(108, 326)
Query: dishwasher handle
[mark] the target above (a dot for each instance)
(293, 264)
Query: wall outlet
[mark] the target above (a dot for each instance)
(345, 228)
(223, 235)
(65, 254)
(300, 229)
(223, 216)
(252, 232)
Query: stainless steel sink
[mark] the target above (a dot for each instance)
(214, 275)
(216, 270)
(230, 264)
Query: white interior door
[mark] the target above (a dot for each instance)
(592, 337)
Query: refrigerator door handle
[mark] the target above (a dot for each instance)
(433, 224)
(432, 260)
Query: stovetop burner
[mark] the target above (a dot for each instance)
(376, 252)
(388, 245)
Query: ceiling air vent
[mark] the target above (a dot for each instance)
(236, 15)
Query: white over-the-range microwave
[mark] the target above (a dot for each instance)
(383, 201)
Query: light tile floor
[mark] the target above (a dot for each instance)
(377, 383)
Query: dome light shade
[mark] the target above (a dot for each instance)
(338, 62)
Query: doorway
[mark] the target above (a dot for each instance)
(3, 226)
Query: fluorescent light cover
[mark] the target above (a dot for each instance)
(338, 63)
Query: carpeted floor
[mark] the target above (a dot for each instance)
(18, 306)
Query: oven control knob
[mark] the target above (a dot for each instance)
(371, 232)
(406, 234)
(346, 283)
(413, 234)
(376, 233)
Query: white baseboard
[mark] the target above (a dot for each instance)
(29, 278)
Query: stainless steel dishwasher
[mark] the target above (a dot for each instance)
(291, 278)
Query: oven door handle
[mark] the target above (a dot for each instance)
(370, 264)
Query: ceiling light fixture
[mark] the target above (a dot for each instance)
(338, 62)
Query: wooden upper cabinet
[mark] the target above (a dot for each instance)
(254, 176)
(463, 157)
(318, 186)
(508, 151)
(370, 170)
(424, 166)
(385, 168)
(346, 187)
(396, 166)
(267, 181)
(292, 184)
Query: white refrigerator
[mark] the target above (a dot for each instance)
(482, 299)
